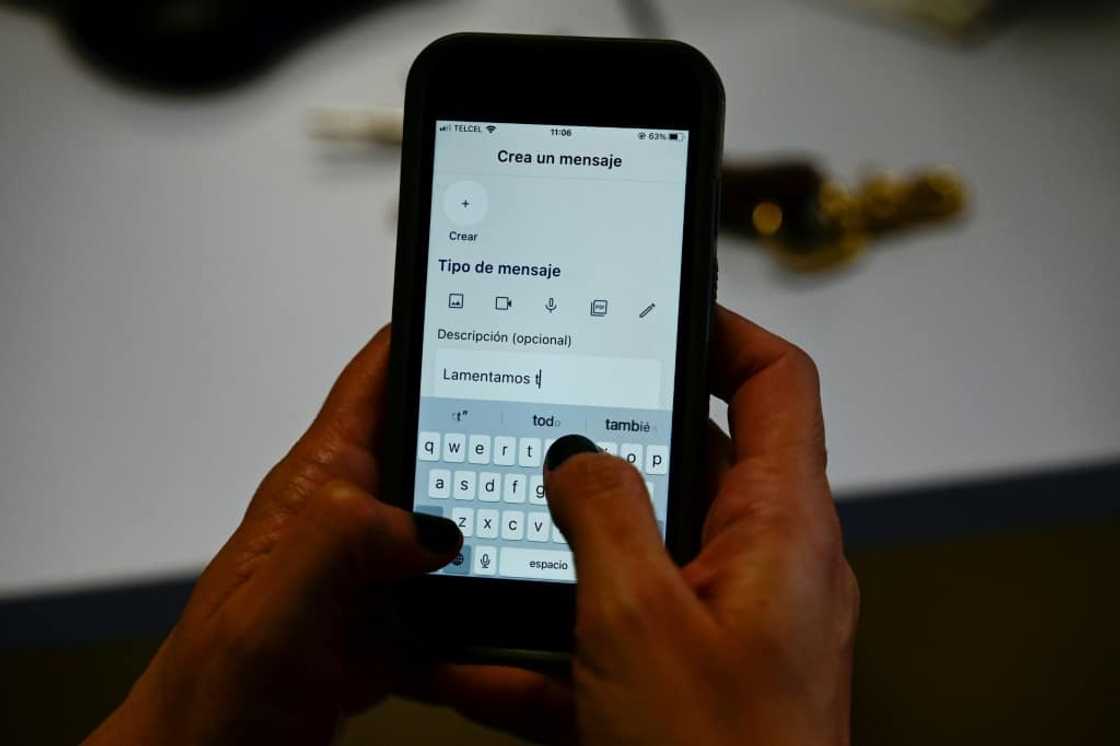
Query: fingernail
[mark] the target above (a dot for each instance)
(437, 535)
(566, 447)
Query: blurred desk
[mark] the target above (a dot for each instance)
(180, 280)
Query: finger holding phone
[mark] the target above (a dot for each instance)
(751, 642)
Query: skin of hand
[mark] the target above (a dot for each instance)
(751, 642)
(289, 629)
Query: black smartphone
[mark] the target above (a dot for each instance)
(555, 274)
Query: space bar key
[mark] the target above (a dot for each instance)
(536, 564)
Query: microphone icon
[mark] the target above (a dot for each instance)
(551, 305)
(484, 561)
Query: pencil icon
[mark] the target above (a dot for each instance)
(646, 310)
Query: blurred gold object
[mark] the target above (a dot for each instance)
(842, 237)
(767, 218)
(887, 202)
(384, 126)
(811, 224)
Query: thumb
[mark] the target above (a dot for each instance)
(345, 540)
(600, 504)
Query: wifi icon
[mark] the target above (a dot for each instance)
(490, 128)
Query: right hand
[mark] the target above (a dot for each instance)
(750, 643)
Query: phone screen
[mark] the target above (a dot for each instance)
(553, 285)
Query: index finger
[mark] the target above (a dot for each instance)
(341, 443)
(352, 408)
(773, 395)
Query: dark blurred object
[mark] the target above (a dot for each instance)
(191, 46)
(811, 223)
(645, 18)
(198, 46)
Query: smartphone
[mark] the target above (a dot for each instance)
(555, 274)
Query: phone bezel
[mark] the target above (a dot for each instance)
(563, 81)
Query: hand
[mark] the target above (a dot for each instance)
(750, 643)
(288, 629)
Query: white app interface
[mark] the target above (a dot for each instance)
(554, 263)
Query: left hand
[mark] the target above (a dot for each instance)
(289, 629)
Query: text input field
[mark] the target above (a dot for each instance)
(587, 380)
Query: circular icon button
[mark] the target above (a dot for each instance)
(465, 202)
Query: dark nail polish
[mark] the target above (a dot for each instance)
(437, 535)
(566, 447)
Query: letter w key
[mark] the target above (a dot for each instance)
(454, 447)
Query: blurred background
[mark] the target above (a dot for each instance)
(197, 221)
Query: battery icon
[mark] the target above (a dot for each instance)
(674, 136)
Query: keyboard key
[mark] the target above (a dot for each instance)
(489, 487)
(649, 489)
(529, 454)
(429, 509)
(428, 447)
(547, 444)
(514, 488)
(464, 485)
(557, 537)
(486, 524)
(536, 490)
(454, 447)
(657, 459)
(513, 525)
(478, 451)
(536, 564)
(461, 565)
(464, 519)
(439, 484)
(608, 447)
(505, 450)
(537, 528)
(630, 452)
(485, 560)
